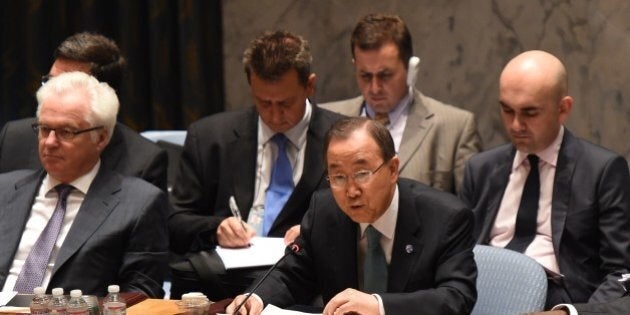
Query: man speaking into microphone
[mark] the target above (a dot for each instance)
(374, 243)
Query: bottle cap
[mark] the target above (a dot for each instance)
(76, 293)
(39, 290)
(113, 288)
(57, 291)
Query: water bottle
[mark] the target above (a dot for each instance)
(77, 305)
(39, 304)
(114, 304)
(58, 303)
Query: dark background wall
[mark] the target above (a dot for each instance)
(184, 55)
(173, 50)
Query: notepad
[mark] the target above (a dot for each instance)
(263, 251)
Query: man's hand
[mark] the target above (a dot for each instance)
(232, 234)
(351, 301)
(253, 306)
(291, 234)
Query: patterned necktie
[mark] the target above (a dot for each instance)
(34, 268)
(281, 184)
(374, 265)
(383, 118)
(525, 229)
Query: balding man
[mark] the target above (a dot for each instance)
(570, 212)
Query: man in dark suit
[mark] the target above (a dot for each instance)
(234, 154)
(433, 140)
(127, 153)
(374, 243)
(76, 224)
(557, 198)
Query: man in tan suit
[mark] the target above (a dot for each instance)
(432, 139)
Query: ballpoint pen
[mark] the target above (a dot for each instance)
(235, 212)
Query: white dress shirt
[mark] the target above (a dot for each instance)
(541, 248)
(397, 118)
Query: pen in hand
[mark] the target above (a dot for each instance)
(235, 212)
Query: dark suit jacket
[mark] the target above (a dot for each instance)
(127, 153)
(589, 216)
(432, 259)
(118, 236)
(617, 307)
(219, 161)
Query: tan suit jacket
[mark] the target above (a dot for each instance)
(437, 141)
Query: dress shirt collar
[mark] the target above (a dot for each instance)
(296, 135)
(386, 224)
(395, 114)
(81, 184)
(549, 155)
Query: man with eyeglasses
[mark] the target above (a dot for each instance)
(375, 243)
(76, 224)
(127, 153)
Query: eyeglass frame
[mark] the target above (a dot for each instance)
(45, 79)
(367, 173)
(66, 134)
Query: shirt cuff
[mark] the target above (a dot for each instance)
(381, 308)
(568, 307)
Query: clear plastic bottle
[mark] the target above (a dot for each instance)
(114, 304)
(39, 304)
(58, 302)
(77, 305)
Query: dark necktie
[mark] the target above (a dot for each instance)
(34, 268)
(374, 265)
(280, 186)
(528, 209)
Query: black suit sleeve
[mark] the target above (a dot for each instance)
(156, 169)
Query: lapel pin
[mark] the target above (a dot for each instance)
(409, 248)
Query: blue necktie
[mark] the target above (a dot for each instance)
(525, 229)
(281, 184)
(34, 268)
(374, 265)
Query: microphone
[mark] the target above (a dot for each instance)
(292, 248)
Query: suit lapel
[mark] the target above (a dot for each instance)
(14, 212)
(407, 245)
(568, 155)
(418, 125)
(499, 178)
(99, 202)
(243, 153)
(342, 241)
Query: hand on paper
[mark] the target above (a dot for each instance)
(291, 234)
(253, 306)
(351, 301)
(233, 233)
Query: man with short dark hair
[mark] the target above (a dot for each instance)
(75, 224)
(554, 197)
(127, 153)
(266, 158)
(374, 243)
(433, 140)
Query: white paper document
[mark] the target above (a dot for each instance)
(6, 296)
(263, 251)
(274, 310)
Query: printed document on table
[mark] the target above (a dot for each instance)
(263, 251)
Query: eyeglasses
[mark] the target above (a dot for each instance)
(62, 133)
(360, 177)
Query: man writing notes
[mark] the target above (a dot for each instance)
(76, 224)
(267, 157)
(550, 195)
(433, 140)
(374, 243)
